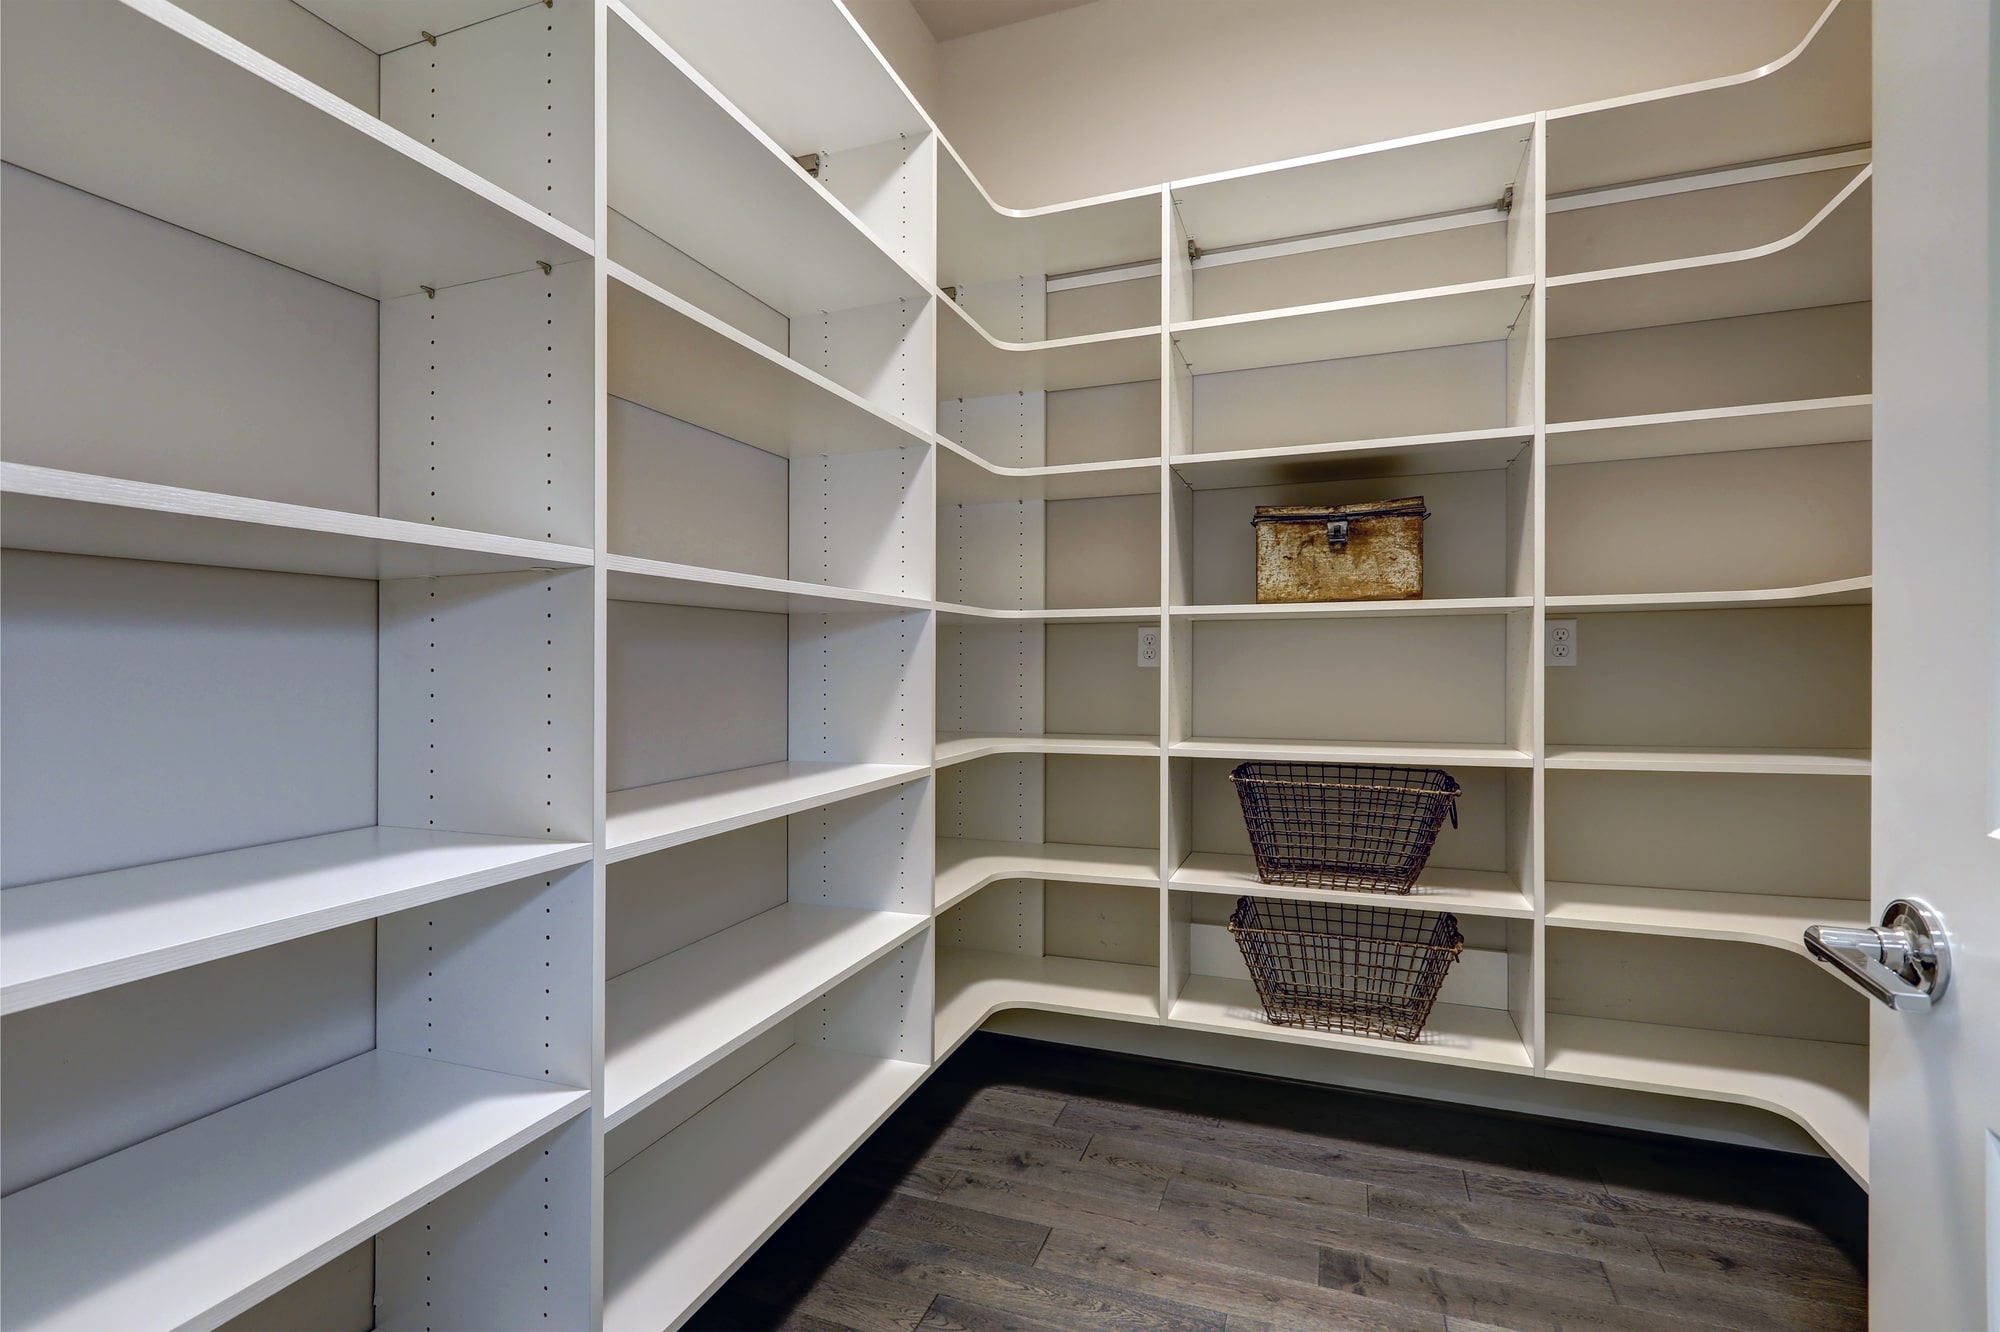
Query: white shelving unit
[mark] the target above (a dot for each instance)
(651, 621)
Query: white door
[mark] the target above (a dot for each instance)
(1935, 1085)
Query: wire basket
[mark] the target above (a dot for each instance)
(1344, 825)
(1370, 971)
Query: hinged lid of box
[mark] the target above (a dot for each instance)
(1319, 513)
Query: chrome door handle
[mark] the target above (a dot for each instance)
(1905, 962)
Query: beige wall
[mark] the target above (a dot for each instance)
(1123, 93)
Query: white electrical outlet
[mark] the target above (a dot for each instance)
(1559, 637)
(1149, 648)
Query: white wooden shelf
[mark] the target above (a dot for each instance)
(1813, 99)
(145, 105)
(981, 241)
(1368, 326)
(1426, 175)
(642, 819)
(668, 355)
(68, 937)
(1317, 751)
(972, 364)
(965, 865)
(630, 578)
(1469, 892)
(684, 1213)
(193, 1226)
(1768, 425)
(1455, 1034)
(960, 747)
(1758, 918)
(668, 1020)
(77, 513)
(1356, 610)
(966, 478)
(952, 612)
(1412, 455)
(1627, 758)
(722, 191)
(974, 983)
(1836, 592)
(1825, 262)
(1820, 1085)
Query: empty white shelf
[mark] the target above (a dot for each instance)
(1456, 1033)
(1412, 455)
(681, 1216)
(971, 364)
(981, 241)
(1452, 171)
(954, 613)
(1469, 892)
(1368, 326)
(198, 1224)
(1353, 610)
(670, 1019)
(1326, 751)
(630, 578)
(147, 106)
(1820, 1085)
(671, 356)
(1758, 918)
(651, 818)
(68, 937)
(76, 513)
(726, 194)
(965, 478)
(975, 983)
(1837, 592)
(1825, 262)
(1767, 425)
(1629, 758)
(965, 865)
(958, 747)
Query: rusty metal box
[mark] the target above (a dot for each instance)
(1373, 551)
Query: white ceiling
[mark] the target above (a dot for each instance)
(960, 18)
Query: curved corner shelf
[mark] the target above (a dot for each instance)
(1367, 326)
(965, 865)
(1635, 758)
(1455, 1034)
(143, 104)
(966, 478)
(1813, 98)
(726, 193)
(974, 984)
(1357, 610)
(77, 513)
(1774, 921)
(1411, 455)
(670, 356)
(1471, 892)
(644, 819)
(1768, 425)
(973, 364)
(952, 612)
(961, 747)
(629, 578)
(1819, 1085)
(983, 241)
(677, 1015)
(1824, 262)
(200, 1223)
(1327, 751)
(68, 937)
(1835, 592)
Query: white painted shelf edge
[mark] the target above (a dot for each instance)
(1314, 751)
(1632, 758)
(954, 611)
(960, 746)
(1523, 285)
(1356, 610)
(668, 1020)
(68, 937)
(78, 513)
(1757, 918)
(1819, 1085)
(651, 818)
(1835, 592)
(973, 984)
(193, 1226)
(637, 579)
(1439, 888)
(965, 865)
(685, 1213)
(1455, 1034)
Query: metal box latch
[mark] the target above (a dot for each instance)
(1336, 533)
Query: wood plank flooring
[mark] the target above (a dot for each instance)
(1036, 1188)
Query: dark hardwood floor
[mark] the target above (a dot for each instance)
(1035, 1188)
